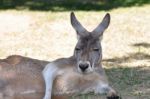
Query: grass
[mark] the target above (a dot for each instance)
(67, 5)
(48, 35)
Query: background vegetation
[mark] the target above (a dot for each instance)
(41, 29)
(65, 5)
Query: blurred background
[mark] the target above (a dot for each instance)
(41, 29)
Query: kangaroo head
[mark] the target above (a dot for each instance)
(88, 51)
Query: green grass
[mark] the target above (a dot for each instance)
(48, 35)
(67, 5)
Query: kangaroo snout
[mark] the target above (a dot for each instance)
(83, 66)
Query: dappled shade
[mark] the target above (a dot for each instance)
(65, 5)
(130, 82)
(130, 57)
(142, 44)
(130, 73)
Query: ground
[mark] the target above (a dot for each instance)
(48, 35)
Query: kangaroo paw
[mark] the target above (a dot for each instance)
(113, 97)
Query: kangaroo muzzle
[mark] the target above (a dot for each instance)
(84, 66)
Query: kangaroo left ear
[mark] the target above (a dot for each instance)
(98, 31)
(81, 31)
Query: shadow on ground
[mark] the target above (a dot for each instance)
(130, 81)
(142, 44)
(133, 80)
(67, 5)
(130, 57)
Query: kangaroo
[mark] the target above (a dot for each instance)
(22, 77)
(82, 72)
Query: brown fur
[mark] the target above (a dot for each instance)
(19, 74)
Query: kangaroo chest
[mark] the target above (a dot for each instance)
(70, 81)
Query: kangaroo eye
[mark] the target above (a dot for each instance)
(77, 49)
(95, 49)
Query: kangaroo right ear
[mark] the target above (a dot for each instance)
(98, 31)
(81, 31)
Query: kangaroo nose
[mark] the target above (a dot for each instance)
(83, 66)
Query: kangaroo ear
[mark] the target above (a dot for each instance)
(98, 31)
(81, 31)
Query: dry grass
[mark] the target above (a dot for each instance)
(49, 35)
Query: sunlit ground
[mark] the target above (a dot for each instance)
(48, 35)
